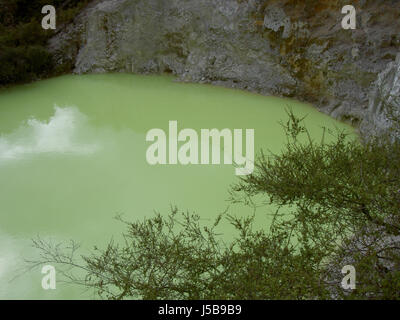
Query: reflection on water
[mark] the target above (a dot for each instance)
(59, 135)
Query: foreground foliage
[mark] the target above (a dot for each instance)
(338, 203)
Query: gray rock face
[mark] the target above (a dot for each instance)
(384, 104)
(286, 48)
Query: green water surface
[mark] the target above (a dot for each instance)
(72, 156)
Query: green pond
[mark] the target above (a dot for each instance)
(73, 155)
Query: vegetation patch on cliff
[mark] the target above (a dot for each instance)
(23, 55)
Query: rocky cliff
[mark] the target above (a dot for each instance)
(291, 48)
